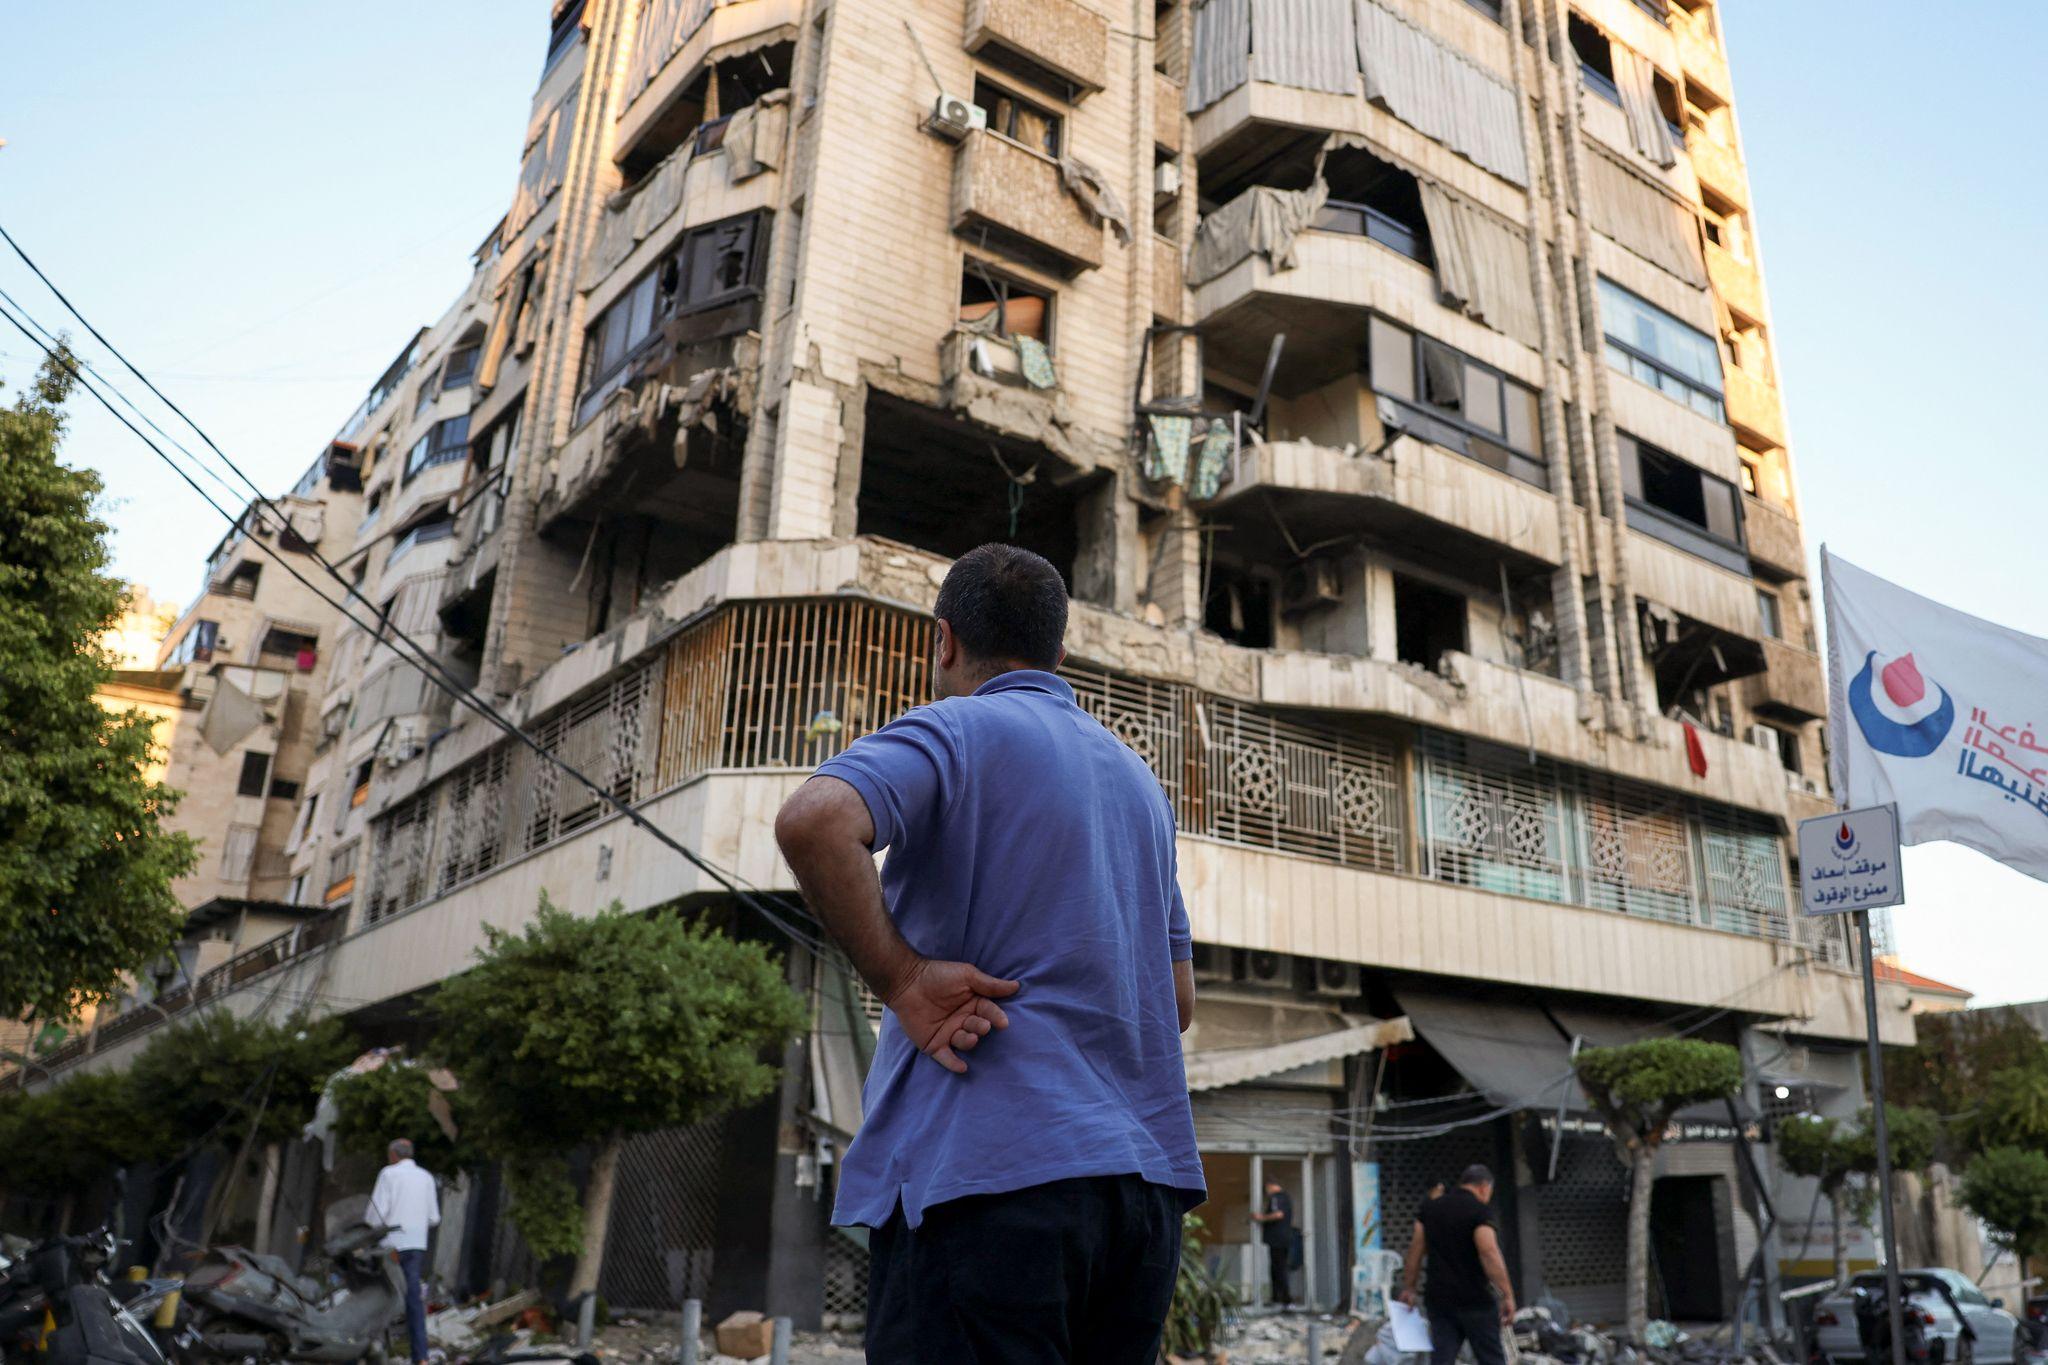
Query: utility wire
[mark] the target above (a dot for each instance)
(431, 668)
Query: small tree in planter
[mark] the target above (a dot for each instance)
(2008, 1188)
(586, 1031)
(1636, 1089)
(1822, 1151)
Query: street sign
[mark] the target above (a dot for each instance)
(1850, 861)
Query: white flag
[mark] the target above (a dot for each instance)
(1941, 712)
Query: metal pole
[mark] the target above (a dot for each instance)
(1894, 1306)
(693, 1330)
(586, 1321)
(778, 1344)
(1315, 1343)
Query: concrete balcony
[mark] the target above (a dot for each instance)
(1754, 406)
(1702, 57)
(1662, 572)
(672, 45)
(1738, 282)
(1719, 169)
(1056, 39)
(1791, 685)
(1016, 194)
(1777, 548)
(1168, 279)
(1169, 114)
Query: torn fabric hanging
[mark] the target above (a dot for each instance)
(1636, 79)
(1260, 222)
(1088, 186)
(1166, 452)
(231, 714)
(1211, 460)
(1433, 89)
(1642, 217)
(1035, 362)
(1482, 264)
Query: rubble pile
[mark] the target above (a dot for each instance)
(1541, 1335)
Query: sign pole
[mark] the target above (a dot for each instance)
(1894, 1304)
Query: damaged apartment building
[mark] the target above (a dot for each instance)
(1396, 397)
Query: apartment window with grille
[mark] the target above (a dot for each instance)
(1447, 397)
(255, 774)
(1651, 346)
(1018, 119)
(447, 442)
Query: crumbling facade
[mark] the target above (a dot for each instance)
(1396, 398)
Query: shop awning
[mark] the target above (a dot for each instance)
(1511, 1053)
(1216, 1068)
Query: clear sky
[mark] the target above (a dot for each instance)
(259, 202)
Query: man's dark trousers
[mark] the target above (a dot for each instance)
(1450, 1328)
(1279, 1261)
(1075, 1272)
(415, 1301)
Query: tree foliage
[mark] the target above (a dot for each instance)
(581, 1031)
(2008, 1188)
(2014, 1109)
(86, 864)
(396, 1101)
(1957, 1052)
(62, 1140)
(210, 1079)
(1912, 1134)
(1638, 1087)
(1818, 1148)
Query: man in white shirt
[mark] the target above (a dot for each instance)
(405, 1204)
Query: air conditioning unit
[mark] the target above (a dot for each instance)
(1310, 584)
(1334, 978)
(953, 118)
(1214, 965)
(1166, 180)
(1763, 736)
(1263, 968)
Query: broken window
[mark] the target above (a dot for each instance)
(1018, 119)
(997, 303)
(1373, 199)
(255, 774)
(715, 265)
(290, 644)
(1239, 603)
(563, 31)
(1489, 8)
(283, 789)
(446, 442)
(1456, 401)
(1789, 756)
(243, 580)
(196, 645)
(1653, 347)
(461, 366)
(1681, 504)
(1770, 611)
(1596, 59)
(1428, 622)
(373, 509)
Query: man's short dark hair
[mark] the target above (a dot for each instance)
(1006, 603)
(1476, 1174)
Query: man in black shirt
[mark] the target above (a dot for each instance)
(1468, 1296)
(1277, 1232)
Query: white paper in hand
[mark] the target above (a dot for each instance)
(1411, 1328)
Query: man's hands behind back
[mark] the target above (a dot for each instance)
(947, 1008)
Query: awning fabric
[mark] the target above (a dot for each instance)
(1215, 1069)
(1511, 1053)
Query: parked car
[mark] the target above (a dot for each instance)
(1947, 1310)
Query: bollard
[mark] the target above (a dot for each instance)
(1315, 1343)
(586, 1321)
(778, 1346)
(693, 1330)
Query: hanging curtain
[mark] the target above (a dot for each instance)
(1435, 90)
(1262, 221)
(1306, 44)
(1482, 264)
(1636, 79)
(1642, 217)
(1223, 45)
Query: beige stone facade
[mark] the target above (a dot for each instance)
(1467, 626)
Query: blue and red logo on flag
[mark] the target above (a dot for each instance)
(1897, 711)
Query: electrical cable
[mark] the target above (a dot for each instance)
(433, 671)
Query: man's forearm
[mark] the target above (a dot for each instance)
(1497, 1273)
(1411, 1268)
(829, 854)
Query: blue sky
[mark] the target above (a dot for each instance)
(259, 202)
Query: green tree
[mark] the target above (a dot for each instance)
(1822, 1150)
(241, 1085)
(397, 1100)
(86, 865)
(583, 1032)
(59, 1142)
(2008, 1188)
(1956, 1054)
(1637, 1088)
(2014, 1109)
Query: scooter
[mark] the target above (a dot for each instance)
(242, 1304)
(33, 1287)
(92, 1328)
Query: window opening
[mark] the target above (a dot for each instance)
(1771, 612)
(1657, 349)
(1008, 308)
(1428, 622)
(1018, 119)
(255, 774)
(1596, 58)
(1373, 199)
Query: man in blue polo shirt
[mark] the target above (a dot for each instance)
(1027, 1147)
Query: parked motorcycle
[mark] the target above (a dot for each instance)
(93, 1328)
(33, 1287)
(241, 1304)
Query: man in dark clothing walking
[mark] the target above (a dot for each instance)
(1467, 1294)
(1026, 1190)
(1277, 1232)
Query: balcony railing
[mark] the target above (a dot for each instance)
(784, 685)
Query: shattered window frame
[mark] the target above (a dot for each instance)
(1004, 102)
(1520, 433)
